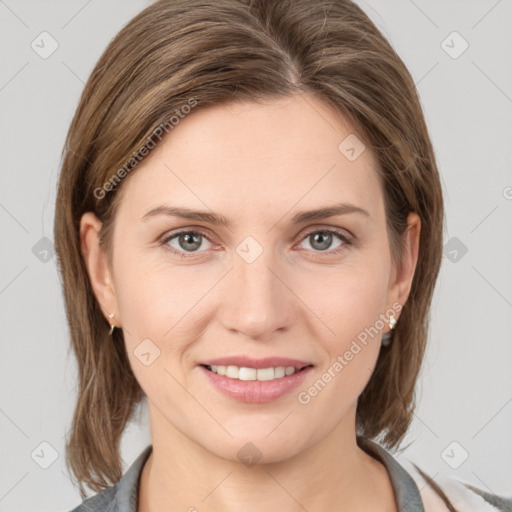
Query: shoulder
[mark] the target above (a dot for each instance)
(450, 494)
(104, 501)
(417, 491)
(121, 497)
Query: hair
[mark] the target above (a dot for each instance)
(195, 52)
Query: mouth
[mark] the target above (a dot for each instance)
(249, 373)
(251, 380)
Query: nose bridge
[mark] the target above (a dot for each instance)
(256, 303)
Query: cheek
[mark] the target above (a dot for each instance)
(151, 295)
(160, 301)
(153, 305)
(351, 308)
(348, 300)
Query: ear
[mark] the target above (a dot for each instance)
(401, 282)
(95, 259)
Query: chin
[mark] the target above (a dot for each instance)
(252, 450)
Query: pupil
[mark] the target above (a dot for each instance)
(188, 238)
(326, 240)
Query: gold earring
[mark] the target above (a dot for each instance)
(392, 322)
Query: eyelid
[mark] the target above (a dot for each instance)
(347, 238)
(341, 232)
(347, 241)
(169, 235)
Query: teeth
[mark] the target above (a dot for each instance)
(280, 371)
(248, 374)
(232, 372)
(244, 373)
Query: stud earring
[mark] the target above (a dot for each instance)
(386, 337)
(112, 326)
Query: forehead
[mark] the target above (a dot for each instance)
(251, 157)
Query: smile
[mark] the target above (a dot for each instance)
(255, 385)
(246, 373)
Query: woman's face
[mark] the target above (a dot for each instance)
(254, 276)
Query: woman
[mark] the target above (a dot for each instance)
(249, 229)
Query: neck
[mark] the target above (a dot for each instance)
(334, 474)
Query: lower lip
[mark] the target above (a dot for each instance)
(256, 391)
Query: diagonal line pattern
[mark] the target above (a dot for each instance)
(286, 491)
(427, 73)
(419, 419)
(197, 301)
(275, 428)
(76, 14)
(332, 332)
(14, 76)
(327, 122)
(484, 218)
(492, 418)
(493, 498)
(66, 475)
(485, 15)
(3, 3)
(199, 403)
(73, 72)
(492, 81)
(14, 485)
(14, 218)
(13, 279)
(301, 198)
(493, 287)
(14, 423)
(217, 486)
(424, 13)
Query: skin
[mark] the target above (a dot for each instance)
(257, 165)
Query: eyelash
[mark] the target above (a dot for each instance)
(345, 238)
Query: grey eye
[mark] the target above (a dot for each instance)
(188, 241)
(322, 240)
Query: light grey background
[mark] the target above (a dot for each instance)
(465, 392)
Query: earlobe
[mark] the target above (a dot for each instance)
(95, 260)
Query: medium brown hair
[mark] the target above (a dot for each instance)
(215, 53)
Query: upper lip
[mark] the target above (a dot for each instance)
(249, 362)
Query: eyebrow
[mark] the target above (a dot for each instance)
(219, 220)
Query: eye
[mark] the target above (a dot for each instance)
(321, 240)
(185, 242)
(188, 243)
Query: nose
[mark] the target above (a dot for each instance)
(257, 301)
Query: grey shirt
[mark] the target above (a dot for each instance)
(122, 497)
